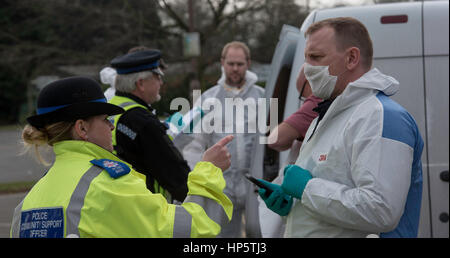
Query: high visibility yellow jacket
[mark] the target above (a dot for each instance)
(89, 192)
(126, 104)
(140, 139)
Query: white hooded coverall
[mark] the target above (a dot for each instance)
(240, 148)
(365, 159)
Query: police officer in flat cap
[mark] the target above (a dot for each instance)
(139, 137)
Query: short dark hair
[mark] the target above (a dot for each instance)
(349, 32)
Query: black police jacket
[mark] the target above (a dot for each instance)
(151, 152)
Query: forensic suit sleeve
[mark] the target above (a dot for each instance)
(194, 150)
(381, 149)
(133, 211)
(194, 144)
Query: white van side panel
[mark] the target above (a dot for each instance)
(389, 40)
(283, 56)
(435, 26)
(436, 50)
(437, 81)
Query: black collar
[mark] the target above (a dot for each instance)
(135, 98)
(321, 109)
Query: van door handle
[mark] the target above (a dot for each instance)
(443, 217)
(444, 175)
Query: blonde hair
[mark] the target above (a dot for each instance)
(34, 138)
(236, 44)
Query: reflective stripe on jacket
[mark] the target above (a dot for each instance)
(127, 104)
(77, 199)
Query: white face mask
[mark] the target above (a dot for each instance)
(321, 82)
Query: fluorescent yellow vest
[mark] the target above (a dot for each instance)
(77, 199)
(127, 104)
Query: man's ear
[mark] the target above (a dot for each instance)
(353, 58)
(80, 130)
(140, 85)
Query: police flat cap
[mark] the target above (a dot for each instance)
(70, 99)
(138, 61)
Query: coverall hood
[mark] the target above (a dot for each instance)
(374, 79)
(250, 79)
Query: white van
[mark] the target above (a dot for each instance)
(411, 43)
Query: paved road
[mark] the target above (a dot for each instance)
(15, 167)
(7, 204)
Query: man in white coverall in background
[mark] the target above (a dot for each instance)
(237, 82)
(359, 170)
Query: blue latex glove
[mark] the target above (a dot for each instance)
(295, 180)
(176, 119)
(277, 201)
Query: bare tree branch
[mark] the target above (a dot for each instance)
(220, 12)
(223, 19)
(172, 14)
(213, 9)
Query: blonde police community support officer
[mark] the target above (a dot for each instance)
(139, 137)
(89, 192)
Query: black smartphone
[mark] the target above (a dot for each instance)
(259, 184)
